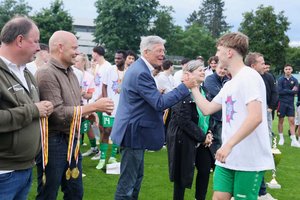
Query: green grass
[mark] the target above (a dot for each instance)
(156, 184)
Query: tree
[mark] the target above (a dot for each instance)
(196, 41)
(210, 16)
(53, 19)
(293, 58)
(267, 34)
(10, 8)
(121, 23)
(163, 26)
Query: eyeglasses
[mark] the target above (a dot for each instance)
(159, 51)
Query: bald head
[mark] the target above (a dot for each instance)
(63, 47)
(60, 38)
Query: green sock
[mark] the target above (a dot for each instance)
(114, 150)
(103, 149)
(93, 142)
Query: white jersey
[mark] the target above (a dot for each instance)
(32, 67)
(113, 79)
(253, 153)
(99, 72)
(165, 82)
(177, 77)
(87, 85)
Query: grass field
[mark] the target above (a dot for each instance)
(156, 184)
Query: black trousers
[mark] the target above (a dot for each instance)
(204, 162)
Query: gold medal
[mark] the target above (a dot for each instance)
(44, 178)
(68, 174)
(75, 173)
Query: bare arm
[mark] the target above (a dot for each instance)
(253, 119)
(205, 106)
(104, 90)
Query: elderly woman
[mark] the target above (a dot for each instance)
(188, 141)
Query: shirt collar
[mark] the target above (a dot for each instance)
(11, 64)
(150, 67)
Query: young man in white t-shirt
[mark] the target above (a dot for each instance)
(246, 153)
(112, 82)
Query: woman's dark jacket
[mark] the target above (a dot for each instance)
(183, 136)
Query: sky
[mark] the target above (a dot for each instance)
(234, 9)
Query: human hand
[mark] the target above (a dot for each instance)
(94, 118)
(223, 152)
(209, 138)
(45, 108)
(189, 80)
(104, 105)
(295, 88)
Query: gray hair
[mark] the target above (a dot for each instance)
(193, 65)
(147, 42)
(15, 27)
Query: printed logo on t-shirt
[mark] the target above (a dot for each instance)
(116, 87)
(97, 79)
(229, 109)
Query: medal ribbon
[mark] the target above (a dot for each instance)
(78, 123)
(71, 136)
(44, 140)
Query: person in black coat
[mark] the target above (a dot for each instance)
(188, 142)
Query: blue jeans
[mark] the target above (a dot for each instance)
(56, 169)
(15, 185)
(132, 172)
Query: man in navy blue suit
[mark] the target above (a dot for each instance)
(138, 123)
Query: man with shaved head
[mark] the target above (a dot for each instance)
(59, 85)
(20, 108)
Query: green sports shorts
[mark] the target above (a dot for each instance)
(107, 121)
(85, 126)
(241, 184)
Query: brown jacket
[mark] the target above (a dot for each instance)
(60, 86)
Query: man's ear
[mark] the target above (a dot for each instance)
(19, 40)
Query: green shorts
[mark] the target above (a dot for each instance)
(107, 121)
(241, 184)
(100, 114)
(85, 126)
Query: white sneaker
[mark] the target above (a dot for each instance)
(90, 152)
(266, 197)
(295, 143)
(97, 156)
(112, 160)
(281, 141)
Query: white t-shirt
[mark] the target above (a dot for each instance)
(87, 85)
(79, 75)
(113, 79)
(165, 82)
(32, 67)
(253, 153)
(177, 78)
(99, 72)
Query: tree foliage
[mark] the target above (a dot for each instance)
(210, 15)
(11, 8)
(293, 57)
(267, 34)
(53, 19)
(163, 26)
(196, 41)
(121, 23)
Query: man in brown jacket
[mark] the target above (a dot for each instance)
(58, 84)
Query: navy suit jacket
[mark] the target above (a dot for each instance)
(138, 122)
